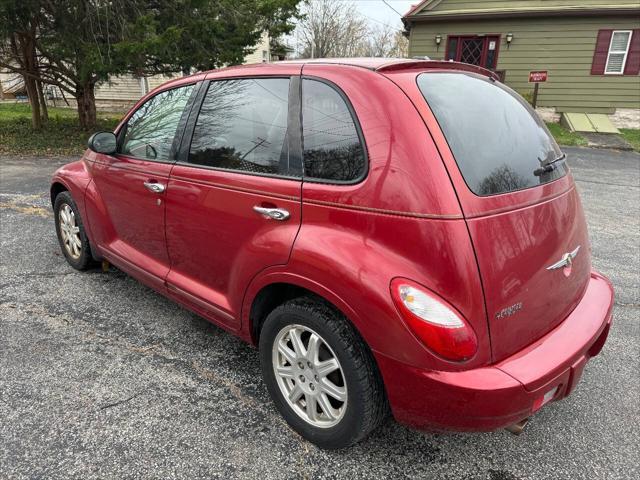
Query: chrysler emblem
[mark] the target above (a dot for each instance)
(565, 262)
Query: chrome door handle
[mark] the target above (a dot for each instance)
(155, 187)
(272, 213)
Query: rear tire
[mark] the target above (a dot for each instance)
(303, 339)
(71, 233)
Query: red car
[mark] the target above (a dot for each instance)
(391, 234)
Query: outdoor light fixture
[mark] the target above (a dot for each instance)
(438, 40)
(509, 39)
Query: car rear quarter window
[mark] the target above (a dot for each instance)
(242, 125)
(497, 139)
(332, 148)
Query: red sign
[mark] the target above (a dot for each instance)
(536, 77)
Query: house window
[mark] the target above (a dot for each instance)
(618, 51)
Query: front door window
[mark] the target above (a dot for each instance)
(480, 50)
(471, 50)
(150, 132)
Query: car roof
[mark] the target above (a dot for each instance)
(372, 63)
(377, 64)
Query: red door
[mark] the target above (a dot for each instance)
(132, 187)
(233, 203)
(134, 213)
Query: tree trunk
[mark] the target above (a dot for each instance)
(44, 112)
(85, 96)
(30, 65)
(34, 101)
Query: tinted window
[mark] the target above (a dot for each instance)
(498, 141)
(150, 131)
(332, 147)
(242, 125)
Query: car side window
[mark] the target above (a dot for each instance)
(332, 149)
(150, 131)
(242, 125)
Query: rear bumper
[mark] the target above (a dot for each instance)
(499, 395)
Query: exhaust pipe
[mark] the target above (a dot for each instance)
(518, 427)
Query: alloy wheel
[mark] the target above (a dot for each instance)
(309, 375)
(70, 231)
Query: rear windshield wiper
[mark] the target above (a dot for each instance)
(549, 166)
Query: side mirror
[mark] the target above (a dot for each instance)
(103, 142)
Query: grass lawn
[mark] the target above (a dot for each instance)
(632, 135)
(565, 137)
(60, 136)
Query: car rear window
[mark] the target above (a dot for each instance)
(498, 141)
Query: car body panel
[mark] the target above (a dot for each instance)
(526, 300)
(365, 256)
(217, 241)
(133, 215)
(74, 177)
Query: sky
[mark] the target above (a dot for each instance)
(377, 12)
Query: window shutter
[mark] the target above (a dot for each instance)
(602, 49)
(633, 57)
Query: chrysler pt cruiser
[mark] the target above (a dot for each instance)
(395, 236)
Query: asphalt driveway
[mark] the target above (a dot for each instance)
(100, 377)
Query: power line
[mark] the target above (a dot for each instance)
(380, 22)
(388, 5)
(375, 19)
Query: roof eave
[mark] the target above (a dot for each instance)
(521, 14)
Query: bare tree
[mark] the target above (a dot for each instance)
(330, 28)
(400, 46)
(334, 28)
(379, 42)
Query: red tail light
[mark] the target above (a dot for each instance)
(436, 323)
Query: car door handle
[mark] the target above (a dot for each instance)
(272, 213)
(155, 187)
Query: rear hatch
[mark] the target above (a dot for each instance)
(522, 209)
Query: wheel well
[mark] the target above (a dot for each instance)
(274, 295)
(268, 299)
(271, 296)
(56, 189)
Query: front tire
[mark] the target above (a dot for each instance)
(320, 374)
(71, 233)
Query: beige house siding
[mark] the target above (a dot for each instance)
(123, 88)
(10, 85)
(562, 45)
(262, 52)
